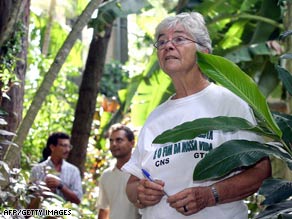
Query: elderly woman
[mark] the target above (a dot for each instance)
(172, 193)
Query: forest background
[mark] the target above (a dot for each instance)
(56, 74)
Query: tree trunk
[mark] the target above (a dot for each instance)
(10, 10)
(49, 78)
(16, 13)
(86, 104)
(14, 105)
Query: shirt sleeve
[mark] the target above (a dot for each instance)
(132, 166)
(33, 174)
(76, 185)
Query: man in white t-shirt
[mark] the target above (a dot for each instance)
(113, 202)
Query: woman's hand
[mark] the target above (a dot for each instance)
(149, 193)
(191, 200)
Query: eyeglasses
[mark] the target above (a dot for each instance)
(179, 40)
(65, 145)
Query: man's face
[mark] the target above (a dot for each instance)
(120, 146)
(62, 149)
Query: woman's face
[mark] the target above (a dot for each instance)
(178, 58)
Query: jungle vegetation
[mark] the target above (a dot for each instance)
(54, 75)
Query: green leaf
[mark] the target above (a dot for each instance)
(285, 216)
(285, 34)
(150, 93)
(6, 133)
(284, 121)
(275, 190)
(245, 53)
(3, 122)
(233, 78)
(260, 49)
(286, 56)
(234, 33)
(269, 79)
(274, 210)
(241, 54)
(136, 81)
(147, 91)
(4, 173)
(234, 154)
(285, 77)
(192, 129)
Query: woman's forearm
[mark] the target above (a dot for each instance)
(131, 188)
(244, 184)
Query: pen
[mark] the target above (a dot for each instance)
(148, 176)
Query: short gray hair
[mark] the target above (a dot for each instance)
(193, 23)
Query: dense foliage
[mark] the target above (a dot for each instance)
(241, 31)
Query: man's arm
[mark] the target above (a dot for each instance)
(68, 194)
(103, 214)
(54, 183)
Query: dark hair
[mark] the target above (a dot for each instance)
(129, 133)
(53, 139)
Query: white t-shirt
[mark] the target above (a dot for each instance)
(174, 163)
(112, 195)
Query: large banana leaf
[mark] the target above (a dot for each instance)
(275, 190)
(192, 129)
(233, 78)
(233, 154)
(149, 94)
(147, 91)
(277, 209)
(132, 90)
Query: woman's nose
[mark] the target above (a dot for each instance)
(169, 45)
